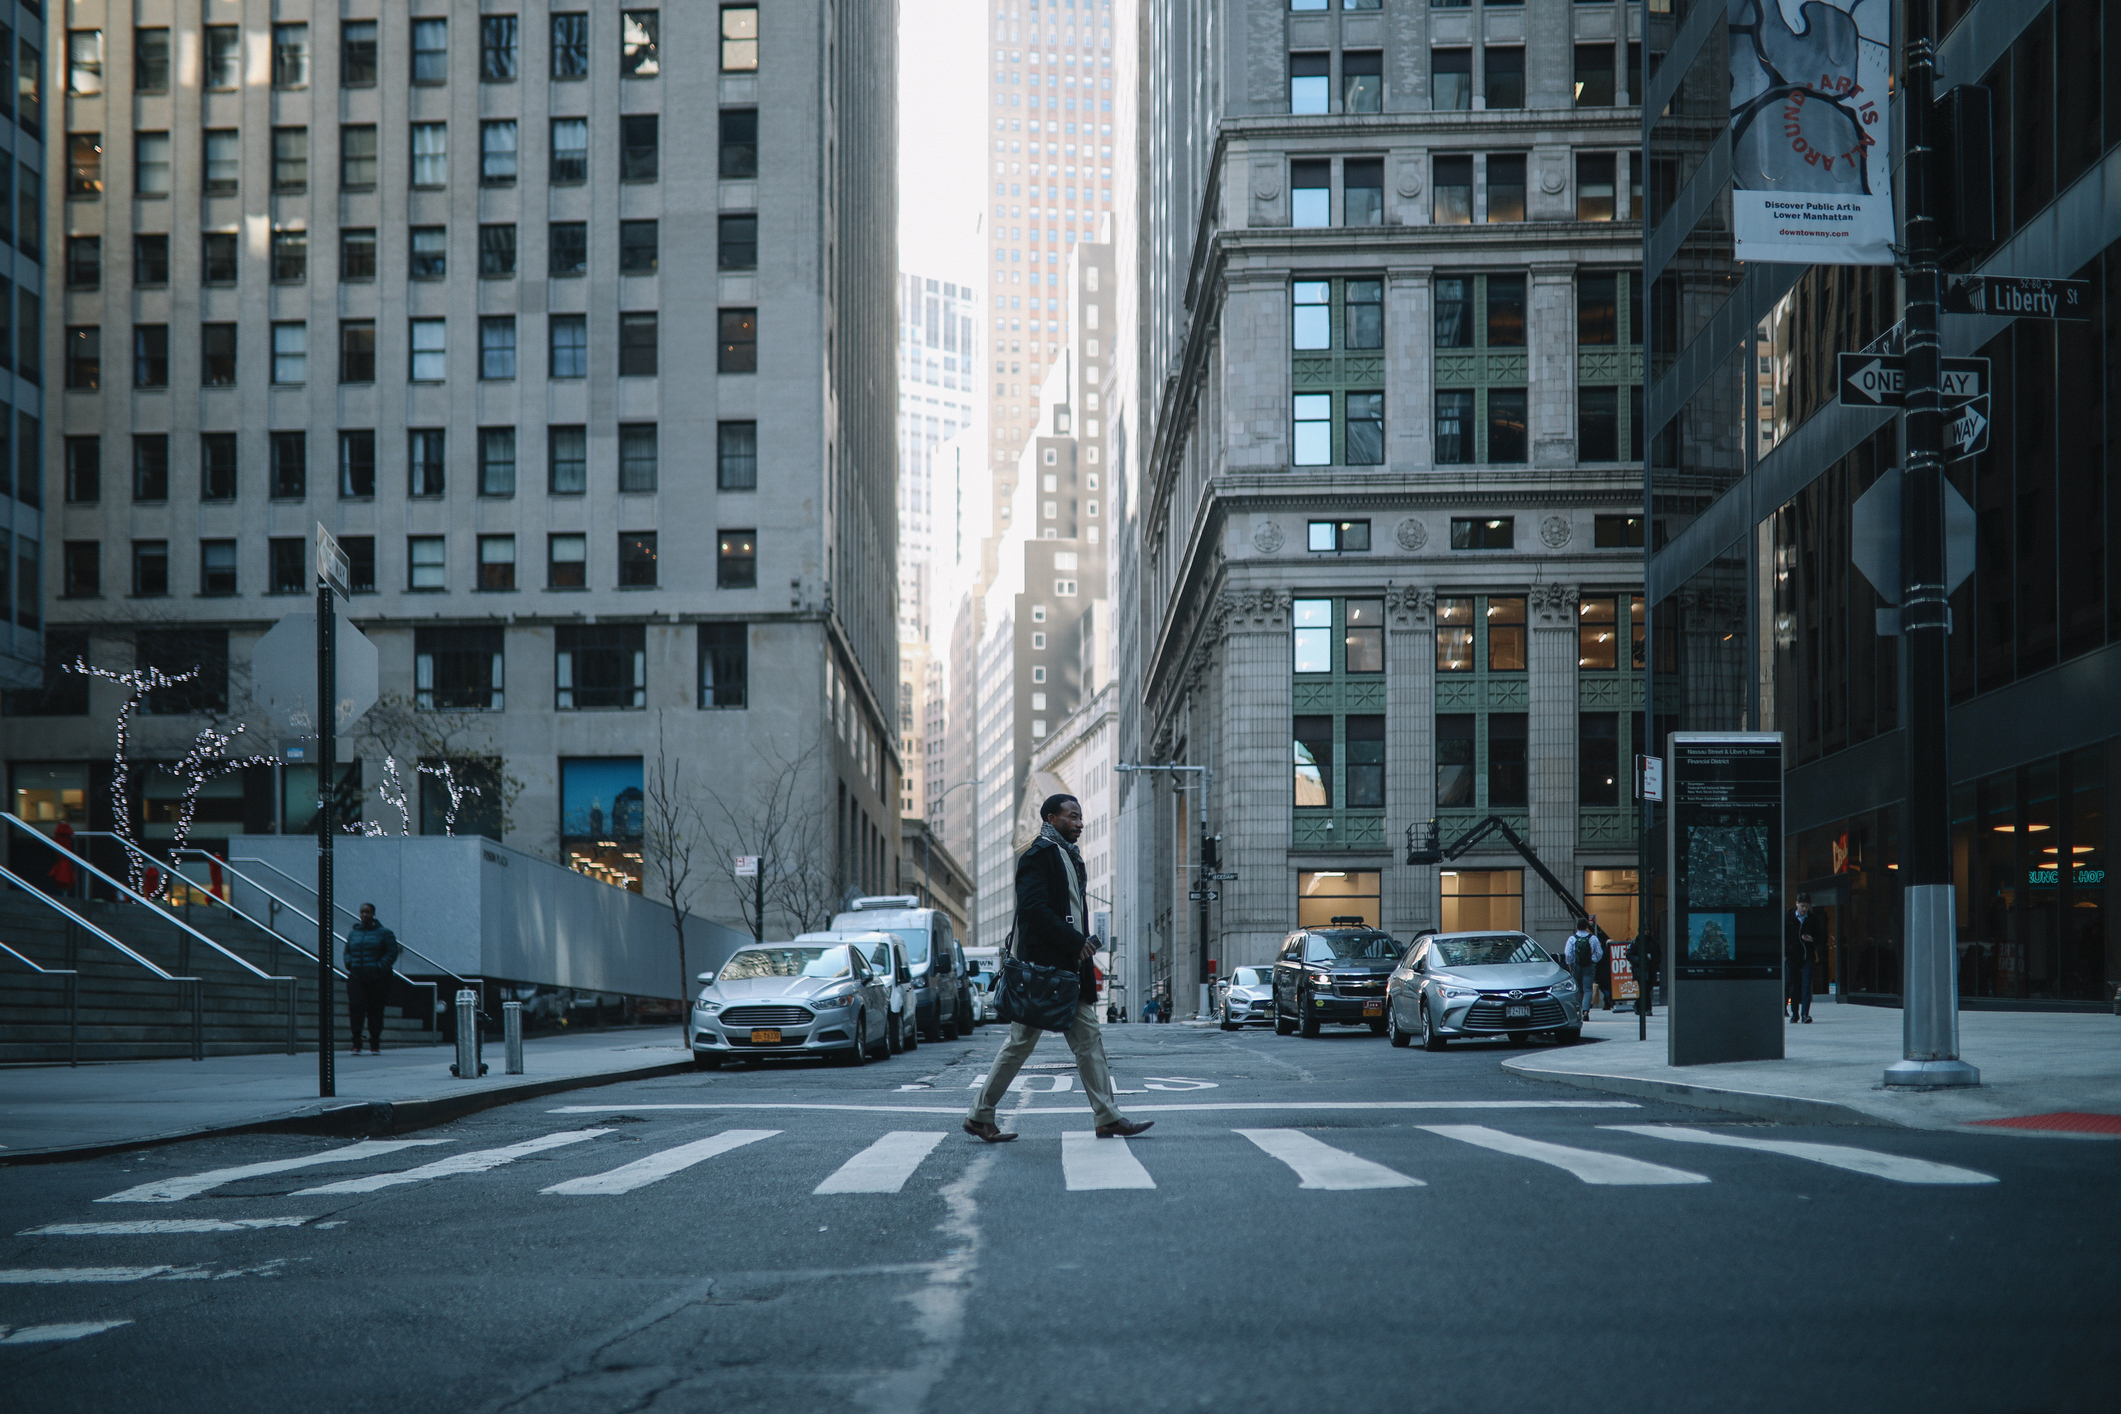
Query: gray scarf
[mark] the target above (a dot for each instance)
(1076, 916)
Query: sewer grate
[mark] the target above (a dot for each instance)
(2066, 1121)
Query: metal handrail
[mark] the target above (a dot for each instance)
(338, 907)
(32, 891)
(73, 1000)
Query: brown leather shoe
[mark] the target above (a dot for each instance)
(1125, 1129)
(987, 1130)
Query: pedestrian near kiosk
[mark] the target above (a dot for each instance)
(1799, 947)
(371, 953)
(1049, 933)
(1581, 955)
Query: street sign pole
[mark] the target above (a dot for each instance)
(1930, 1002)
(327, 743)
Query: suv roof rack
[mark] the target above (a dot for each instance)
(885, 901)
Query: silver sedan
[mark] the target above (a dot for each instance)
(1480, 984)
(792, 999)
(1246, 997)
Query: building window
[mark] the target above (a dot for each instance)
(430, 51)
(1365, 736)
(84, 164)
(637, 345)
(1327, 894)
(739, 351)
(290, 160)
(1329, 536)
(497, 48)
(739, 155)
(1314, 760)
(290, 466)
(737, 456)
(1506, 426)
(427, 450)
(1598, 424)
(637, 457)
(568, 458)
(570, 45)
(1313, 441)
(84, 62)
(84, 357)
(497, 252)
(151, 170)
(290, 353)
(224, 56)
(1616, 533)
(737, 246)
(1482, 423)
(217, 567)
(1594, 76)
(150, 261)
(150, 569)
(1310, 83)
(80, 577)
(424, 560)
(566, 562)
(84, 470)
(570, 151)
(1450, 79)
(1594, 186)
(1454, 191)
(1505, 77)
(1507, 780)
(217, 466)
(1609, 366)
(1475, 899)
(737, 560)
(1455, 741)
(357, 157)
(1311, 318)
(290, 257)
(1598, 633)
(1362, 81)
(740, 39)
(430, 361)
(360, 562)
(637, 559)
(286, 564)
(151, 466)
(217, 257)
(458, 669)
(177, 650)
(1313, 630)
(725, 665)
(497, 461)
(637, 246)
(357, 465)
(1366, 429)
(357, 253)
(570, 346)
(567, 248)
(151, 60)
(1475, 533)
(639, 31)
(224, 161)
(497, 562)
(497, 346)
(497, 153)
(639, 147)
(357, 54)
(1506, 186)
(1310, 193)
(290, 56)
(1363, 192)
(601, 666)
(430, 154)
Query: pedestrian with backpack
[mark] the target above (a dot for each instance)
(1581, 955)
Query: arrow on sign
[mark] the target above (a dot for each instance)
(1874, 381)
(1199, 894)
(1967, 434)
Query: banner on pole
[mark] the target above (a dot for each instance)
(1811, 155)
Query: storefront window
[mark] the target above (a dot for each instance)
(1482, 898)
(600, 818)
(1323, 895)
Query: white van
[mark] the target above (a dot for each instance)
(942, 1005)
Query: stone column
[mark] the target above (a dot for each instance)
(1410, 901)
(1410, 344)
(1253, 781)
(1252, 373)
(1551, 341)
(1552, 756)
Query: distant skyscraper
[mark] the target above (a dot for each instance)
(938, 357)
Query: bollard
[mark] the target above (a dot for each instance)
(468, 1065)
(512, 1035)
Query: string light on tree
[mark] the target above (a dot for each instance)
(137, 684)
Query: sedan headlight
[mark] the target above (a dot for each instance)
(921, 982)
(1456, 993)
(1563, 988)
(706, 1008)
(840, 999)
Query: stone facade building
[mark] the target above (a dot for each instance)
(25, 492)
(1390, 538)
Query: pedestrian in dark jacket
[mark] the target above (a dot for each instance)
(1800, 949)
(1049, 932)
(371, 953)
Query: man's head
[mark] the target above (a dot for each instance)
(1804, 905)
(368, 914)
(1065, 814)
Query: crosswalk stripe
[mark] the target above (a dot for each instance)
(477, 1161)
(884, 1166)
(1090, 1162)
(152, 1227)
(656, 1167)
(61, 1276)
(1841, 1156)
(1323, 1166)
(171, 1190)
(73, 1330)
(1587, 1164)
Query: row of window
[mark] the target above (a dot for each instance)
(1341, 537)
(1362, 83)
(1481, 759)
(289, 566)
(21, 202)
(154, 173)
(567, 350)
(1474, 426)
(1452, 189)
(1473, 632)
(22, 81)
(1483, 312)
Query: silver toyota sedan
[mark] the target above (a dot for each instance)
(1480, 984)
(793, 999)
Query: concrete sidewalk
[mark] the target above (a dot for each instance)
(2031, 1063)
(57, 1111)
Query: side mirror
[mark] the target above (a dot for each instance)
(705, 977)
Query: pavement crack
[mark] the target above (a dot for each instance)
(939, 1304)
(585, 1359)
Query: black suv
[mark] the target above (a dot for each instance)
(1333, 975)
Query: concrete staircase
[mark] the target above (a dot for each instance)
(127, 1013)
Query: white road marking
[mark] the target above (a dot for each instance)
(1320, 1105)
(152, 1226)
(478, 1161)
(1091, 1162)
(884, 1166)
(37, 1335)
(656, 1167)
(1587, 1164)
(1322, 1165)
(55, 1276)
(171, 1190)
(1841, 1156)
(1061, 1083)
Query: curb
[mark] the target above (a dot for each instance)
(1785, 1109)
(358, 1119)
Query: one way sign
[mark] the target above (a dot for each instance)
(1880, 380)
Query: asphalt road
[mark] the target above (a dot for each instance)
(1321, 1224)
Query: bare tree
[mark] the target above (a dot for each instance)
(398, 728)
(783, 822)
(673, 835)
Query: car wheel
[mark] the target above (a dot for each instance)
(913, 1033)
(1397, 1036)
(1306, 1023)
(858, 1052)
(894, 1040)
(1283, 1026)
(967, 1016)
(702, 1061)
(1430, 1041)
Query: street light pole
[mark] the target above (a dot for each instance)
(975, 783)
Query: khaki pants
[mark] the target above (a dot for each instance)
(1086, 1038)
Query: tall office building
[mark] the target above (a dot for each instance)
(1389, 492)
(575, 326)
(938, 381)
(1759, 618)
(23, 493)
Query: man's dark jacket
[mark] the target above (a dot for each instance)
(370, 947)
(1043, 933)
(1795, 950)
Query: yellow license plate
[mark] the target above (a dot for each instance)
(1373, 1008)
(766, 1036)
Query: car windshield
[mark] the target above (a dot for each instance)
(1246, 977)
(880, 959)
(1351, 946)
(908, 926)
(1488, 950)
(786, 962)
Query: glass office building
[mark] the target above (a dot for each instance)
(1760, 620)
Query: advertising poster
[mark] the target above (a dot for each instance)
(1811, 157)
(1623, 972)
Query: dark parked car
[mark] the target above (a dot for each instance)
(1333, 976)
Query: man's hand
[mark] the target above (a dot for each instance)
(1089, 949)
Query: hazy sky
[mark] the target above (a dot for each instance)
(942, 96)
